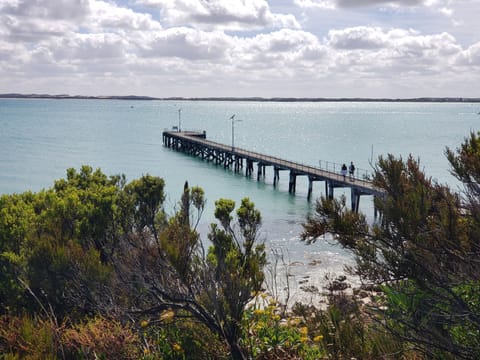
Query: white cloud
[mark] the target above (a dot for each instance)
(11, 52)
(71, 10)
(92, 47)
(470, 57)
(362, 37)
(331, 4)
(322, 4)
(281, 55)
(184, 43)
(30, 21)
(105, 15)
(367, 3)
(31, 29)
(36, 20)
(221, 14)
(400, 59)
(444, 7)
(106, 48)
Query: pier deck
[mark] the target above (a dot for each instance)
(196, 144)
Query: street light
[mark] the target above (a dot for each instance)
(179, 119)
(233, 130)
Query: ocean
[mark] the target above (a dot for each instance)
(40, 139)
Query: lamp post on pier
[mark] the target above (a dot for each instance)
(179, 119)
(233, 130)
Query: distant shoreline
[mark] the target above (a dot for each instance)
(257, 99)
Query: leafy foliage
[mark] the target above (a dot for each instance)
(235, 265)
(270, 336)
(179, 336)
(424, 251)
(99, 245)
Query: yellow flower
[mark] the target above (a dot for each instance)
(260, 325)
(276, 317)
(167, 315)
(144, 323)
(259, 312)
(318, 338)
(303, 331)
(303, 339)
(177, 348)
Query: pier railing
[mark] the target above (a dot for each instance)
(361, 174)
(334, 169)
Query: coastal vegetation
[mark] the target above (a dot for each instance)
(95, 267)
(423, 255)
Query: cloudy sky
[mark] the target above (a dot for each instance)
(268, 48)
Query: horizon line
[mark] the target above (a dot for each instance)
(239, 98)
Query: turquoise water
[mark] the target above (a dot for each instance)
(40, 139)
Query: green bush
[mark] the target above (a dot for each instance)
(177, 336)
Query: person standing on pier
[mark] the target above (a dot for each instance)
(344, 171)
(351, 170)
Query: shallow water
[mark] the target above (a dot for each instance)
(40, 139)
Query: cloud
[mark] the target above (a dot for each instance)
(46, 9)
(184, 43)
(368, 3)
(92, 47)
(285, 46)
(190, 62)
(10, 52)
(221, 14)
(362, 37)
(37, 20)
(31, 21)
(395, 55)
(105, 15)
(31, 30)
(470, 57)
(332, 4)
(100, 47)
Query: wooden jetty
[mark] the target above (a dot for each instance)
(196, 144)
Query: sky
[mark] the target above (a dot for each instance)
(241, 48)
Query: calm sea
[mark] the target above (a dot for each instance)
(40, 139)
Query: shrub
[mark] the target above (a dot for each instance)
(179, 336)
(269, 336)
(29, 338)
(101, 338)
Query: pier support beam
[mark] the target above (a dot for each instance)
(377, 214)
(260, 171)
(249, 168)
(292, 185)
(329, 189)
(310, 188)
(355, 200)
(276, 176)
(238, 164)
